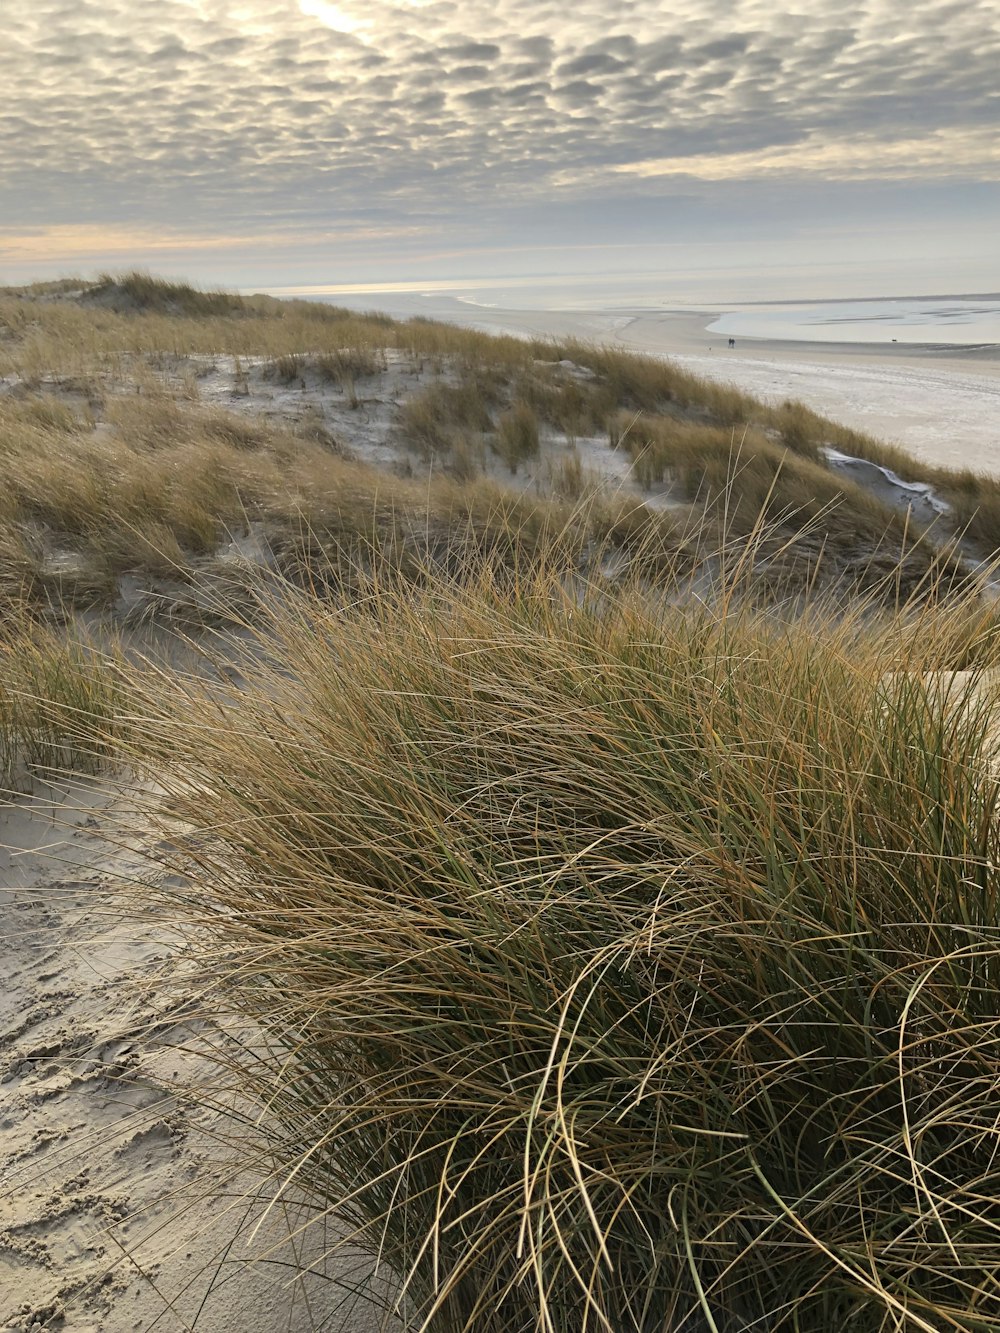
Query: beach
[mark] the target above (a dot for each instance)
(939, 400)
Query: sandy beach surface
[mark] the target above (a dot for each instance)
(120, 1206)
(939, 401)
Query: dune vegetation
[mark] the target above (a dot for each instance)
(59, 703)
(118, 451)
(623, 966)
(606, 877)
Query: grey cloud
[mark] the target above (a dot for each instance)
(712, 79)
(482, 97)
(598, 63)
(541, 48)
(524, 91)
(526, 70)
(173, 49)
(324, 85)
(225, 46)
(665, 53)
(468, 73)
(623, 44)
(722, 48)
(474, 51)
(580, 90)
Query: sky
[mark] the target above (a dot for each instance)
(726, 148)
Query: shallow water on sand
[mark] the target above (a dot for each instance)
(937, 321)
(959, 321)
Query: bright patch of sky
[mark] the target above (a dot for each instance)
(269, 142)
(334, 16)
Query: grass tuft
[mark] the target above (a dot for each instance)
(622, 964)
(59, 703)
(517, 439)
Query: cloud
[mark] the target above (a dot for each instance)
(240, 114)
(931, 156)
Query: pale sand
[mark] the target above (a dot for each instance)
(940, 403)
(111, 1215)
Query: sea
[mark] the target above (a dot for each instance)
(949, 320)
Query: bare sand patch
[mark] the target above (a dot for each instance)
(118, 1207)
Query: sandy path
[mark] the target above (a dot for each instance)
(105, 1173)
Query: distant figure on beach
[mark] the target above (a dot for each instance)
(732, 342)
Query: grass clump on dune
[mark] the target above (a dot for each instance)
(517, 435)
(622, 966)
(59, 703)
(161, 487)
(141, 291)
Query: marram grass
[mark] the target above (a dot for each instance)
(117, 468)
(60, 702)
(619, 967)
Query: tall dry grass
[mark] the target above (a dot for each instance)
(624, 966)
(121, 327)
(626, 955)
(160, 485)
(60, 703)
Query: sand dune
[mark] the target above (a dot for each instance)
(118, 1207)
(940, 403)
